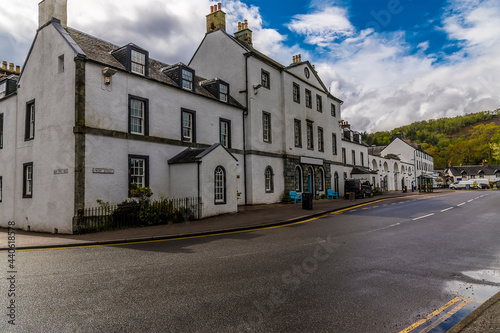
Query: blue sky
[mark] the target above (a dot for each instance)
(391, 61)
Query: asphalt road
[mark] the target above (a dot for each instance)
(377, 268)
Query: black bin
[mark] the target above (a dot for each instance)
(307, 200)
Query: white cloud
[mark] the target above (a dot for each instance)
(323, 27)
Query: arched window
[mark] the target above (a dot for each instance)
(220, 185)
(269, 183)
(321, 183)
(298, 179)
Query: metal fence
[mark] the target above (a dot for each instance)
(139, 213)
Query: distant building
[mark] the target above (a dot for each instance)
(470, 172)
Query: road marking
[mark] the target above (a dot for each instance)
(476, 198)
(421, 217)
(431, 315)
(446, 316)
(444, 210)
(170, 239)
(463, 203)
(470, 200)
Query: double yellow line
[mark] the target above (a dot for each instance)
(458, 303)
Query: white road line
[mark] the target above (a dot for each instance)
(421, 217)
(476, 198)
(444, 210)
(463, 203)
(470, 200)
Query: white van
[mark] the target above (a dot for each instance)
(472, 183)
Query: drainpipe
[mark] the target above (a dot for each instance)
(199, 190)
(245, 114)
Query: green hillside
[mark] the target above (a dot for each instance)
(466, 140)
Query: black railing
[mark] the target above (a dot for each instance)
(139, 213)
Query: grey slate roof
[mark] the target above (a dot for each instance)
(192, 155)
(473, 169)
(99, 51)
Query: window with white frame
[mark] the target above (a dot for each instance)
(220, 185)
(28, 180)
(188, 126)
(30, 121)
(269, 183)
(225, 133)
(266, 127)
(321, 140)
(298, 179)
(297, 132)
(187, 79)
(321, 183)
(138, 115)
(223, 92)
(138, 171)
(310, 137)
(138, 62)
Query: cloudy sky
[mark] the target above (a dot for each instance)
(392, 61)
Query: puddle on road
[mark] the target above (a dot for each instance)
(482, 286)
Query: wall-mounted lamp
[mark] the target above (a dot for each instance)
(256, 87)
(108, 73)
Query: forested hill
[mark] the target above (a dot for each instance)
(466, 140)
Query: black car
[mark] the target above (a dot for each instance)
(361, 189)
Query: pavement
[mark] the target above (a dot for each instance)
(484, 319)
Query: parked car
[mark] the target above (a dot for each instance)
(361, 189)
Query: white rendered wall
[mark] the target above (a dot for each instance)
(8, 107)
(51, 206)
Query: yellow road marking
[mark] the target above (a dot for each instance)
(169, 239)
(431, 315)
(446, 316)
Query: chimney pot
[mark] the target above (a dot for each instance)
(11, 67)
(18, 69)
(220, 5)
(211, 9)
(239, 26)
(4, 64)
(300, 57)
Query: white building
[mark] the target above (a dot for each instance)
(400, 165)
(292, 137)
(108, 116)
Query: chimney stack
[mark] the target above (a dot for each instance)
(485, 163)
(244, 34)
(216, 20)
(48, 9)
(9, 68)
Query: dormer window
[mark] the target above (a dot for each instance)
(138, 62)
(187, 79)
(223, 92)
(133, 58)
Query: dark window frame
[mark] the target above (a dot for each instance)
(344, 156)
(224, 183)
(1, 130)
(29, 133)
(319, 103)
(146, 169)
(334, 143)
(308, 97)
(321, 139)
(333, 110)
(310, 134)
(297, 133)
(228, 122)
(298, 182)
(269, 138)
(27, 195)
(265, 83)
(1, 188)
(223, 97)
(296, 93)
(193, 126)
(271, 180)
(131, 48)
(353, 156)
(145, 122)
(181, 78)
